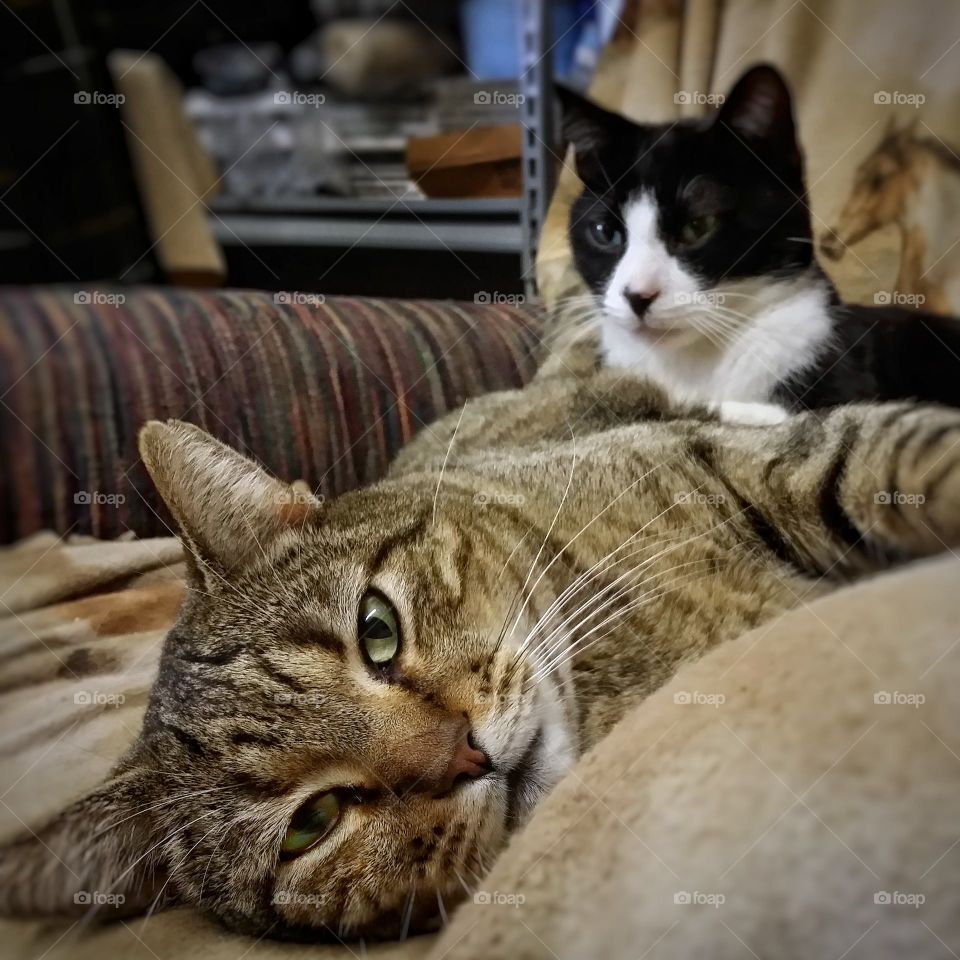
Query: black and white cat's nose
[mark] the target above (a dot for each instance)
(640, 301)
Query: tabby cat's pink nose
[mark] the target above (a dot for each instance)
(467, 762)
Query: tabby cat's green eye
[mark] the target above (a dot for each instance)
(378, 629)
(310, 824)
(699, 228)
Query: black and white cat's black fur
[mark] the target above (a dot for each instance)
(695, 238)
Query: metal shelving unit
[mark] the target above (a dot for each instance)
(509, 226)
(483, 226)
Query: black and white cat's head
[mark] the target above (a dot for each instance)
(684, 230)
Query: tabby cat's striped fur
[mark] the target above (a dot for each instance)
(553, 555)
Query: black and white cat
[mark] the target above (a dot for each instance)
(695, 238)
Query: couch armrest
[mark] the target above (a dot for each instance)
(320, 390)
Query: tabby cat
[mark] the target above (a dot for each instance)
(362, 698)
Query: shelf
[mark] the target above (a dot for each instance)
(426, 208)
(483, 226)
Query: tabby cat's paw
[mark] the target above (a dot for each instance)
(918, 497)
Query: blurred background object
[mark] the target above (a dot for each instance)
(270, 145)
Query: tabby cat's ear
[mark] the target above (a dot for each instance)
(592, 130)
(102, 855)
(759, 110)
(227, 507)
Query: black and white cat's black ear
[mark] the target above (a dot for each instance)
(100, 857)
(759, 110)
(592, 131)
(226, 506)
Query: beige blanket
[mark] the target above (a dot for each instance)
(768, 802)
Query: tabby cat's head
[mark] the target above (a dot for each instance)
(341, 733)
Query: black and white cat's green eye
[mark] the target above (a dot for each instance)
(310, 824)
(699, 228)
(378, 629)
(605, 233)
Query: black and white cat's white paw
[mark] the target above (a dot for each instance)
(738, 413)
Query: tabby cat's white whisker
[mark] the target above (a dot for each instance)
(156, 806)
(442, 908)
(591, 573)
(446, 457)
(583, 529)
(688, 541)
(564, 654)
(597, 601)
(544, 646)
(546, 536)
(579, 647)
(172, 872)
(463, 884)
(407, 914)
(158, 844)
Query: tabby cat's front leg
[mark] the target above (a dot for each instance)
(849, 491)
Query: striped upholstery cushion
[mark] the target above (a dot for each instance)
(325, 392)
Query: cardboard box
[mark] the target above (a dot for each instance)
(483, 162)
